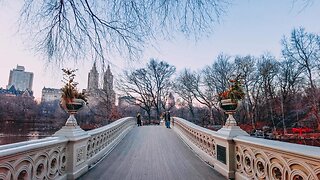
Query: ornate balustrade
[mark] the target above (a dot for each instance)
(37, 159)
(199, 136)
(66, 156)
(245, 157)
(266, 159)
(211, 146)
(103, 139)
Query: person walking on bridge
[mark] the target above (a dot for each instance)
(139, 119)
(167, 119)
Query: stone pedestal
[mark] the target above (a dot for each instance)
(232, 131)
(227, 145)
(76, 150)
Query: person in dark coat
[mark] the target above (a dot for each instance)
(139, 119)
(167, 119)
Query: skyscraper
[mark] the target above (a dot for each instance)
(20, 79)
(108, 86)
(93, 79)
(106, 94)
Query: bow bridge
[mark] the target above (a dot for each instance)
(121, 150)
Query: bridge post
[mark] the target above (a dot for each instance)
(227, 148)
(76, 150)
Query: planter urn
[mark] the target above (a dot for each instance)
(72, 107)
(229, 106)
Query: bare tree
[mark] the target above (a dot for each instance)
(215, 79)
(183, 87)
(303, 47)
(289, 78)
(160, 72)
(202, 93)
(69, 28)
(137, 85)
(151, 84)
(216, 76)
(246, 66)
(268, 69)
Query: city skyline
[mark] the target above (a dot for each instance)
(249, 27)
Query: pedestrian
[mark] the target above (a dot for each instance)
(139, 119)
(169, 118)
(165, 119)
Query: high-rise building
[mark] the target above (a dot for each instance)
(93, 79)
(50, 94)
(50, 100)
(106, 95)
(20, 79)
(108, 86)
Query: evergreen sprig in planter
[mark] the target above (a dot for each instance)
(230, 100)
(71, 100)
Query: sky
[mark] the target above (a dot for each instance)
(248, 27)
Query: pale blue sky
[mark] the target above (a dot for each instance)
(249, 27)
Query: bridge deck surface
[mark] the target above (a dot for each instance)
(150, 153)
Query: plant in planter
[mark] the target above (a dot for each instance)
(230, 98)
(71, 99)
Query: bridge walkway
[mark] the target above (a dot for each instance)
(152, 152)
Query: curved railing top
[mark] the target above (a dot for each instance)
(111, 125)
(28, 145)
(202, 129)
(310, 151)
(196, 126)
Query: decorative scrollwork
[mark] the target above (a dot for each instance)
(276, 173)
(37, 164)
(201, 139)
(275, 165)
(80, 155)
(98, 141)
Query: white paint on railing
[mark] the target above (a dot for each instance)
(103, 140)
(37, 159)
(248, 157)
(302, 150)
(61, 157)
(267, 159)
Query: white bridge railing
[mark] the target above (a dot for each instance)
(72, 152)
(244, 157)
(266, 159)
(61, 157)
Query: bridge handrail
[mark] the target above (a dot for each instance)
(108, 126)
(249, 157)
(15, 148)
(275, 160)
(25, 143)
(36, 159)
(195, 126)
(298, 149)
(61, 157)
(201, 140)
(102, 140)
